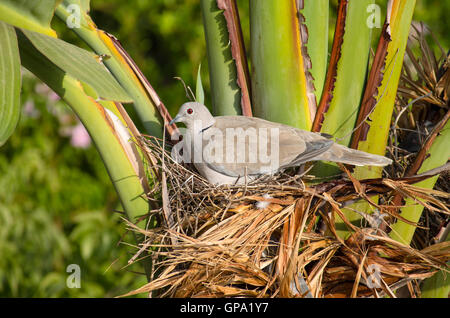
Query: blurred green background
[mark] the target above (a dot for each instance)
(57, 205)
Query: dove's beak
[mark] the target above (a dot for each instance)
(176, 119)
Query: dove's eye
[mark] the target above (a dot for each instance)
(189, 111)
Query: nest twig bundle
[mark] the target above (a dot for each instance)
(278, 237)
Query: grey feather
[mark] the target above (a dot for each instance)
(228, 146)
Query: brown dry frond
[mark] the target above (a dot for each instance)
(424, 75)
(425, 80)
(277, 238)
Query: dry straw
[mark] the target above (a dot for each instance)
(276, 237)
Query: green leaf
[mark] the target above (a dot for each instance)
(380, 119)
(279, 84)
(118, 65)
(349, 74)
(438, 285)
(438, 155)
(225, 92)
(199, 92)
(316, 15)
(93, 117)
(10, 82)
(77, 13)
(80, 64)
(84, 4)
(29, 14)
(340, 118)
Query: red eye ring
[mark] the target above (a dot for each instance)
(189, 111)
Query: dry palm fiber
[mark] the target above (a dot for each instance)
(275, 237)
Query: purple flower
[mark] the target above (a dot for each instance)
(80, 137)
(29, 109)
(42, 89)
(53, 97)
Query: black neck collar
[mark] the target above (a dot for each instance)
(204, 129)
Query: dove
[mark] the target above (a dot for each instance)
(238, 149)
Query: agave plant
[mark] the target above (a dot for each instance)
(295, 80)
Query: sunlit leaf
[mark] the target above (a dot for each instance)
(225, 93)
(316, 15)
(80, 64)
(10, 82)
(29, 14)
(93, 117)
(199, 93)
(279, 84)
(146, 102)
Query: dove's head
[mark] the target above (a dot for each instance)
(194, 112)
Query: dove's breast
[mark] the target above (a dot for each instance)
(218, 178)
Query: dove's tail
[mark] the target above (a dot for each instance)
(339, 153)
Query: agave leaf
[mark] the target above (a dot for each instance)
(102, 131)
(379, 119)
(306, 58)
(316, 15)
(374, 119)
(10, 82)
(344, 85)
(231, 14)
(148, 106)
(29, 14)
(80, 64)
(279, 83)
(84, 4)
(347, 71)
(438, 285)
(225, 92)
(93, 116)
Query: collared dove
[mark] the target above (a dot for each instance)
(237, 149)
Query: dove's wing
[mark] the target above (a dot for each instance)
(238, 145)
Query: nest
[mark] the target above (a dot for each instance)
(280, 236)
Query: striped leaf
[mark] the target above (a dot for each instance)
(148, 105)
(80, 64)
(10, 82)
(279, 83)
(316, 15)
(29, 14)
(225, 92)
